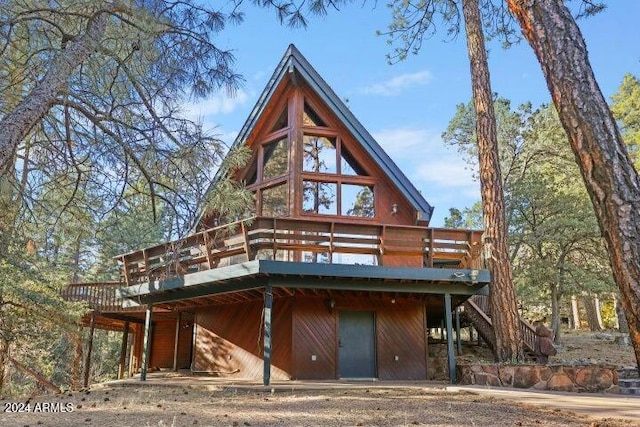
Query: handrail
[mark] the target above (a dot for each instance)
(480, 304)
(99, 296)
(295, 239)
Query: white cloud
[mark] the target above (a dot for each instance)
(217, 104)
(399, 83)
(404, 142)
(428, 162)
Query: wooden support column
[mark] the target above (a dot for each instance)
(87, 359)
(123, 350)
(146, 344)
(458, 333)
(268, 304)
(177, 341)
(451, 357)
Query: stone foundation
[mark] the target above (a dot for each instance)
(595, 378)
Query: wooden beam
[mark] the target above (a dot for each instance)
(146, 344)
(458, 337)
(87, 359)
(451, 357)
(176, 342)
(123, 350)
(268, 305)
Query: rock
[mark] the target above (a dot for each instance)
(541, 385)
(622, 340)
(614, 389)
(488, 380)
(602, 336)
(525, 376)
(560, 382)
(506, 375)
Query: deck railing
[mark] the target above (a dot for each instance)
(478, 309)
(99, 296)
(303, 240)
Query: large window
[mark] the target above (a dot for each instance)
(274, 200)
(320, 197)
(333, 180)
(357, 200)
(275, 159)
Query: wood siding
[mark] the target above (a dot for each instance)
(314, 334)
(401, 334)
(229, 340)
(400, 331)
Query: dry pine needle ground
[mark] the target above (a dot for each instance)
(178, 406)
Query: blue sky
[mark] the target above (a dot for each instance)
(407, 106)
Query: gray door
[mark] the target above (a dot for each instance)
(356, 344)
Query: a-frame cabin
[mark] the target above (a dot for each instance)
(335, 275)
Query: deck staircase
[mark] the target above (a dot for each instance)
(477, 310)
(629, 381)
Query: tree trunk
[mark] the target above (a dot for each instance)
(555, 311)
(575, 313)
(592, 313)
(607, 169)
(18, 123)
(504, 309)
(623, 326)
(4, 361)
(77, 360)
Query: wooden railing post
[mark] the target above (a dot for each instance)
(146, 344)
(451, 357)
(123, 350)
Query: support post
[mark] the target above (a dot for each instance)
(268, 304)
(458, 333)
(146, 342)
(123, 350)
(177, 341)
(451, 357)
(87, 358)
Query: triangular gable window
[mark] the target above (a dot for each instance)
(310, 117)
(349, 165)
(283, 120)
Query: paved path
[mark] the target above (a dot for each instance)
(592, 404)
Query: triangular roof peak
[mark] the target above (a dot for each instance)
(295, 66)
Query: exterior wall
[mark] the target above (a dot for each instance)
(315, 329)
(162, 344)
(163, 337)
(400, 332)
(228, 340)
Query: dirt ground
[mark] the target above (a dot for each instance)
(574, 347)
(589, 347)
(150, 405)
(182, 406)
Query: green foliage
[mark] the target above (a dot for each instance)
(468, 218)
(626, 110)
(555, 242)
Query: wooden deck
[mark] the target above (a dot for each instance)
(99, 296)
(303, 240)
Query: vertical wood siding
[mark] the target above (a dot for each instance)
(400, 331)
(314, 334)
(163, 337)
(229, 340)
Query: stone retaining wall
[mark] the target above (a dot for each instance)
(594, 378)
